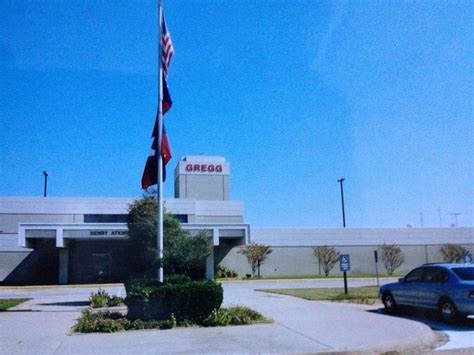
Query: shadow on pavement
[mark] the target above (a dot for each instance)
(431, 319)
(66, 304)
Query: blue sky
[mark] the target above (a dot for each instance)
(295, 94)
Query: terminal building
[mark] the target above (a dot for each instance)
(49, 240)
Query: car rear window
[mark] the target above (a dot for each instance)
(435, 274)
(464, 273)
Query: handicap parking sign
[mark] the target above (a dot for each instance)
(344, 262)
(467, 258)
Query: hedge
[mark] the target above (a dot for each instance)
(191, 300)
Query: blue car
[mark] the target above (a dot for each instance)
(447, 288)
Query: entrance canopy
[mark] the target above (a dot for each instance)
(62, 232)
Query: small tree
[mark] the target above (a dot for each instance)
(141, 221)
(182, 253)
(453, 253)
(256, 254)
(327, 257)
(392, 257)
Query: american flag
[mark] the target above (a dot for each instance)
(150, 173)
(167, 49)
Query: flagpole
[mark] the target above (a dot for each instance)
(159, 197)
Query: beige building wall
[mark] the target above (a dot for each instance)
(300, 261)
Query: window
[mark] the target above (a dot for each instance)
(182, 218)
(464, 273)
(435, 275)
(414, 276)
(105, 218)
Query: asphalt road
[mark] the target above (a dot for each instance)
(43, 325)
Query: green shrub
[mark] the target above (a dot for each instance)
(109, 322)
(141, 287)
(223, 272)
(108, 326)
(99, 299)
(169, 323)
(237, 315)
(219, 273)
(240, 315)
(192, 300)
(218, 317)
(115, 301)
(139, 324)
(176, 279)
(85, 324)
(185, 323)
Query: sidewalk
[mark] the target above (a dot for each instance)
(43, 326)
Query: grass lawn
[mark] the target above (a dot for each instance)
(312, 277)
(10, 302)
(366, 295)
(335, 276)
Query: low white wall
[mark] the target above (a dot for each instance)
(300, 261)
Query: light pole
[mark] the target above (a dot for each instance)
(344, 273)
(455, 214)
(45, 173)
(340, 181)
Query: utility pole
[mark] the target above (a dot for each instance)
(45, 173)
(455, 214)
(340, 181)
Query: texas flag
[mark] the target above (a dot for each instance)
(150, 174)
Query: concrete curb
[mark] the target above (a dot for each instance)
(46, 287)
(430, 340)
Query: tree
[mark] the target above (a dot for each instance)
(327, 257)
(256, 254)
(182, 254)
(392, 257)
(141, 221)
(453, 253)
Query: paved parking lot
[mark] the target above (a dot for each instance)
(460, 335)
(43, 325)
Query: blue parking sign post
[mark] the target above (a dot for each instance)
(344, 266)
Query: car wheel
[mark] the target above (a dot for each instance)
(389, 304)
(448, 311)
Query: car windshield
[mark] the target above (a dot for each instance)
(465, 273)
